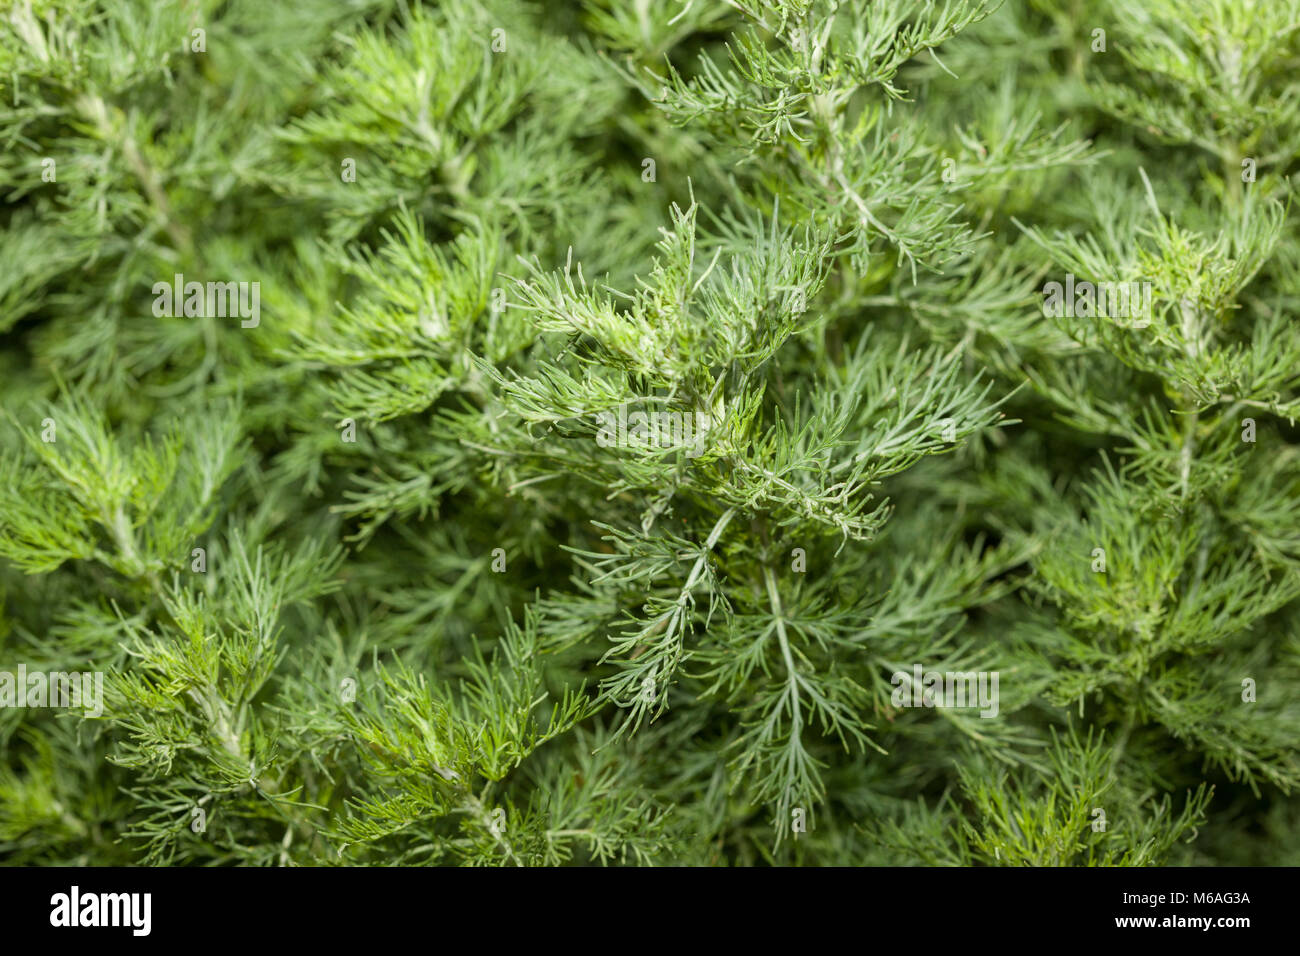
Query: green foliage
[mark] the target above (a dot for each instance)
(640, 391)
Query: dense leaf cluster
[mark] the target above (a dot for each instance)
(400, 568)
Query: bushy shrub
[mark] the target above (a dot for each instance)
(649, 432)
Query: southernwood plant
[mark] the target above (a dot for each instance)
(649, 432)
